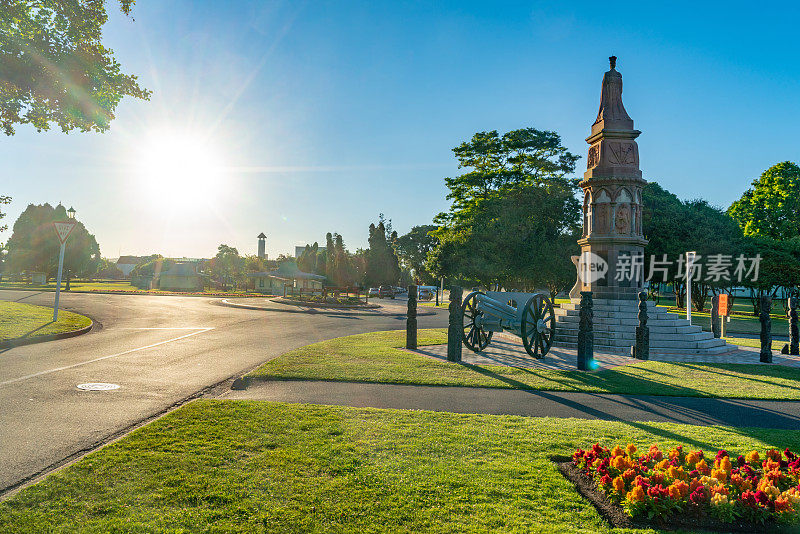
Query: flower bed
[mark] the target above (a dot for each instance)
(753, 489)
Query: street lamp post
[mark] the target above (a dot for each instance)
(63, 229)
(690, 257)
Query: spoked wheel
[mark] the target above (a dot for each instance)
(538, 325)
(475, 338)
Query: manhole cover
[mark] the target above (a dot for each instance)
(97, 386)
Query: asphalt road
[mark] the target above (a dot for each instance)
(159, 350)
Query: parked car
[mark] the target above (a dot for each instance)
(386, 291)
(373, 292)
(424, 293)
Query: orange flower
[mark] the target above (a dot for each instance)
(628, 475)
(702, 466)
(720, 489)
(740, 482)
(774, 455)
(674, 453)
(636, 494)
(619, 485)
(769, 465)
(678, 490)
(719, 474)
(620, 462)
(662, 464)
(691, 459)
(782, 504)
(676, 472)
(616, 451)
(752, 457)
(725, 464)
(630, 449)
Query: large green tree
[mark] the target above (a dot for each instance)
(54, 68)
(771, 207)
(227, 267)
(514, 217)
(382, 265)
(34, 245)
(413, 249)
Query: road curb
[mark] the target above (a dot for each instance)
(125, 293)
(372, 312)
(21, 341)
(291, 302)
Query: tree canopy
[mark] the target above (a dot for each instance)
(382, 264)
(34, 245)
(54, 68)
(514, 218)
(413, 249)
(771, 207)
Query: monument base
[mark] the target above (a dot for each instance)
(614, 325)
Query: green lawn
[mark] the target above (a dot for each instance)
(26, 320)
(376, 357)
(255, 466)
(116, 286)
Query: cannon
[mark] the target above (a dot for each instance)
(527, 315)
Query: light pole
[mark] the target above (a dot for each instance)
(690, 256)
(63, 229)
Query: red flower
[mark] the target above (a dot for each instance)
(762, 498)
(741, 461)
(748, 498)
(605, 480)
(699, 496)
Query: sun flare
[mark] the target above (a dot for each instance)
(180, 169)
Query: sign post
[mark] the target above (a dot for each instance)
(689, 264)
(723, 312)
(63, 229)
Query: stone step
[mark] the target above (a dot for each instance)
(621, 341)
(666, 321)
(655, 335)
(710, 351)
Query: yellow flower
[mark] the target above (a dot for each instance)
(718, 499)
(792, 495)
(719, 474)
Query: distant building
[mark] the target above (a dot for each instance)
(287, 273)
(262, 246)
(181, 277)
(127, 263)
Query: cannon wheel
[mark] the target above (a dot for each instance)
(538, 325)
(475, 338)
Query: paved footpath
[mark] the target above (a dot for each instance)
(688, 410)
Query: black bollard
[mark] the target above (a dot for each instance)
(641, 350)
(794, 338)
(585, 332)
(455, 328)
(411, 321)
(766, 329)
(716, 324)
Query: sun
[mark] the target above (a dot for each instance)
(179, 169)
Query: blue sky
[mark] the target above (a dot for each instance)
(324, 114)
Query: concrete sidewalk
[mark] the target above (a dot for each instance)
(689, 410)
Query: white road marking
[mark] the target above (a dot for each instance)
(56, 369)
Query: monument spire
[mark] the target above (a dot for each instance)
(612, 114)
(612, 185)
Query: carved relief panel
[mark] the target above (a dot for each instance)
(621, 153)
(594, 156)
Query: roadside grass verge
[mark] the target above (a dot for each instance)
(123, 287)
(256, 466)
(19, 320)
(377, 357)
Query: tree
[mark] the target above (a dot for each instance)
(772, 206)
(514, 217)
(108, 270)
(227, 267)
(413, 249)
(3, 228)
(55, 69)
(674, 227)
(34, 245)
(382, 266)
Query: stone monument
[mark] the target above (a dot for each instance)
(612, 204)
(613, 243)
